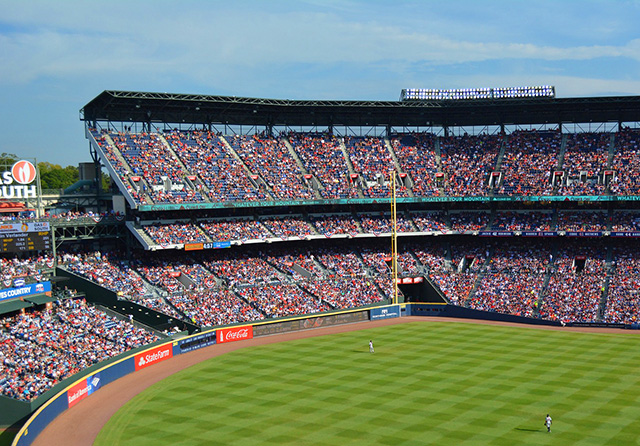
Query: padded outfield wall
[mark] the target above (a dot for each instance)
(90, 382)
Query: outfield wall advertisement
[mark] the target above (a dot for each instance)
(310, 322)
(198, 341)
(153, 356)
(83, 389)
(385, 312)
(233, 334)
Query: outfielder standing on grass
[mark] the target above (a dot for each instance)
(370, 346)
(547, 422)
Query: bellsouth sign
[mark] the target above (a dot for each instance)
(16, 183)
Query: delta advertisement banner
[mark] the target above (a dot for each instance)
(83, 389)
(26, 290)
(12, 228)
(385, 312)
(153, 356)
(234, 334)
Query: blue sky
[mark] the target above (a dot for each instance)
(55, 56)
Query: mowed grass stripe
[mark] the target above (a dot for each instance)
(427, 383)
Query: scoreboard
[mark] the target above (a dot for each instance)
(25, 241)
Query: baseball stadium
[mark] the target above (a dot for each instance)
(447, 268)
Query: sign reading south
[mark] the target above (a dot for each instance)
(16, 183)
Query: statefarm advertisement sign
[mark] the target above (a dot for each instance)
(234, 334)
(16, 183)
(153, 356)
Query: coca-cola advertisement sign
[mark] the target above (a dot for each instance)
(234, 334)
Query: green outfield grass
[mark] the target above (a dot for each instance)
(439, 383)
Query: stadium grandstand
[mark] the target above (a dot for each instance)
(228, 210)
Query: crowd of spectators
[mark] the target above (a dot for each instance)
(118, 164)
(430, 221)
(335, 224)
(216, 306)
(625, 221)
(206, 156)
(175, 233)
(529, 160)
(278, 300)
(285, 227)
(287, 262)
(432, 256)
(244, 229)
(456, 286)
(513, 281)
(322, 156)
(523, 221)
(344, 292)
(31, 268)
(149, 156)
(105, 269)
(623, 297)
(576, 285)
(469, 221)
(381, 223)
(242, 269)
(582, 221)
(372, 160)
(40, 348)
(585, 159)
(626, 163)
(464, 169)
(509, 293)
(416, 156)
(467, 162)
(271, 159)
(342, 262)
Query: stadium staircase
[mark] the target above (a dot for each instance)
(609, 271)
(115, 176)
(436, 147)
(140, 235)
(314, 183)
(482, 271)
(318, 298)
(398, 169)
(352, 171)
(543, 291)
(142, 185)
(265, 227)
(407, 216)
(258, 183)
(498, 167)
(198, 184)
(563, 149)
(612, 150)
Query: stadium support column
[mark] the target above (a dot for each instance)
(394, 238)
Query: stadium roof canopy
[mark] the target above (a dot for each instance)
(123, 106)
